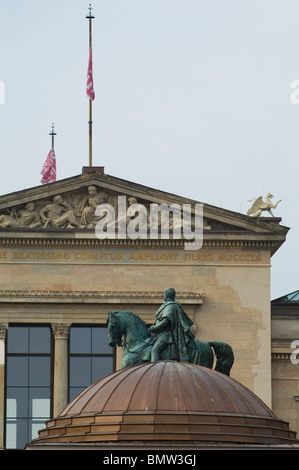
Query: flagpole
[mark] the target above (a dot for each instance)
(52, 133)
(90, 17)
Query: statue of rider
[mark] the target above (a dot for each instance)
(173, 330)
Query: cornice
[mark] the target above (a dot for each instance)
(281, 349)
(51, 240)
(98, 297)
(281, 357)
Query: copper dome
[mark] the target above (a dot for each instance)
(166, 401)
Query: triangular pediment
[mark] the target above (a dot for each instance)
(78, 196)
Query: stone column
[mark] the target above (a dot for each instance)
(60, 399)
(119, 356)
(3, 330)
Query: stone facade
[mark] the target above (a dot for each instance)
(285, 362)
(59, 272)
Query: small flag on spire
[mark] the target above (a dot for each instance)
(89, 86)
(49, 168)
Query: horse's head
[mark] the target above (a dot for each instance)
(114, 329)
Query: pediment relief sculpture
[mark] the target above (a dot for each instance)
(73, 203)
(26, 217)
(73, 210)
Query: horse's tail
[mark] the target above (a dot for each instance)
(224, 356)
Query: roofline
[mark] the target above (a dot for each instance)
(222, 215)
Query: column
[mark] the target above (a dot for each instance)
(3, 331)
(119, 356)
(60, 399)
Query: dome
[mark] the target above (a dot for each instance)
(166, 401)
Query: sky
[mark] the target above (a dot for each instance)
(193, 97)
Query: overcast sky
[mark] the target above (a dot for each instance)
(192, 97)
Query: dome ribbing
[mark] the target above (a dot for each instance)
(167, 401)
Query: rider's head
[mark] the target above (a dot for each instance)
(169, 294)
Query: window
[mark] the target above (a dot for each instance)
(91, 357)
(29, 371)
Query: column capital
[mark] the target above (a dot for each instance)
(61, 330)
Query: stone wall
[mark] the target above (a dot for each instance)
(225, 291)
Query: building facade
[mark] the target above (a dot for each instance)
(59, 280)
(285, 357)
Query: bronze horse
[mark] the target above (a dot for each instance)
(129, 331)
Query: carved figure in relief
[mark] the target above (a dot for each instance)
(259, 206)
(87, 207)
(27, 217)
(124, 218)
(59, 214)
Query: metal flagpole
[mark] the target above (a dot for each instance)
(90, 17)
(52, 133)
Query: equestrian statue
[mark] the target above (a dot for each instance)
(170, 338)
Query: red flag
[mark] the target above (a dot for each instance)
(89, 86)
(49, 168)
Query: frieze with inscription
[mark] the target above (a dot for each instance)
(122, 256)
